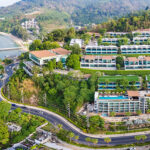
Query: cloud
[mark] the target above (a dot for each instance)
(7, 2)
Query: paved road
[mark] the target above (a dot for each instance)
(54, 119)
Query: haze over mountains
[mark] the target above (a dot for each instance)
(80, 11)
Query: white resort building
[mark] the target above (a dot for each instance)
(101, 49)
(43, 56)
(98, 62)
(135, 49)
(114, 34)
(142, 33)
(80, 42)
(140, 40)
(140, 63)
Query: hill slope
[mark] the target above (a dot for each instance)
(81, 11)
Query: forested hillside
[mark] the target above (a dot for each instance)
(81, 11)
(132, 22)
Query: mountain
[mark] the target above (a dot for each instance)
(80, 11)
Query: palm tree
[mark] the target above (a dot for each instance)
(107, 140)
(60, 126)
(76, 138)
(138, 138)
(95, 141)
(70, 135)
(143, 137)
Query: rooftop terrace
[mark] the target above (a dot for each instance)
(115, 78)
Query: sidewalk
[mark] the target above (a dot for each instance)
(73, 126)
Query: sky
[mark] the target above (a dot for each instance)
(7, 2)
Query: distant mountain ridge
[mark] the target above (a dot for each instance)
(81, 11)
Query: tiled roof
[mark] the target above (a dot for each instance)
(147, 58)
(61, 51)
(133, 93)
(132, 59)
(143, 30)
(42, 53)
(89, 57)
(92, 57)
(108, 57)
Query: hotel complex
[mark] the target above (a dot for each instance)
(115, 82)
(101, 50)
(130, 102)
(40, 58)
(142, 33)
(43, 56)
(135, 49)
(140, 63)
(115, 34)
(98, 62)
(140, 40)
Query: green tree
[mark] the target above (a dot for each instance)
(36, 45)
(120, 61)
(4, 134)
(99, 40)
(112, 114)
(143, 137)
(86, 37)
(47, 45)
(107, 140)
(138, 138)
(73, 61)
(75, 49)
(4, 109)
(60, 65)
(118, 66)
(95, 141)
(128, 113)
(97, 121)
(76, 138)
(50, 66)
(102, 31)
(70, 135)
(139, 112)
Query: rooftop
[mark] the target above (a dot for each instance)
(42, 54)
(115, 78)
(92, 57)
(61, 51)
(132, 59)
(133, 93)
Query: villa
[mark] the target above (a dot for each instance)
(142, 33)
(112, 41)
(140, 40)
(98, 62)
(135, 49)
(129, 102)
(114, 34)
(80, 42)
(43, 56)
(93, 50)
(123, 82)
(140, 63)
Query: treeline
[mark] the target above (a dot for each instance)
(130, 23)
(13, 26)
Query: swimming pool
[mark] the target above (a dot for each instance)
(113, 97)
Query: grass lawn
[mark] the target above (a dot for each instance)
(115, 78)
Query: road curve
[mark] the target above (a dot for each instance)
(56, 119)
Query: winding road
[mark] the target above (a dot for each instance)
(56, 119)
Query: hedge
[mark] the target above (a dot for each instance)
(117, 72)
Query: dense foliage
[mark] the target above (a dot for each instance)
(81, 11)
(27, 123)
(130, 23)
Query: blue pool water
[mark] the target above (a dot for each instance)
(112, 97)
